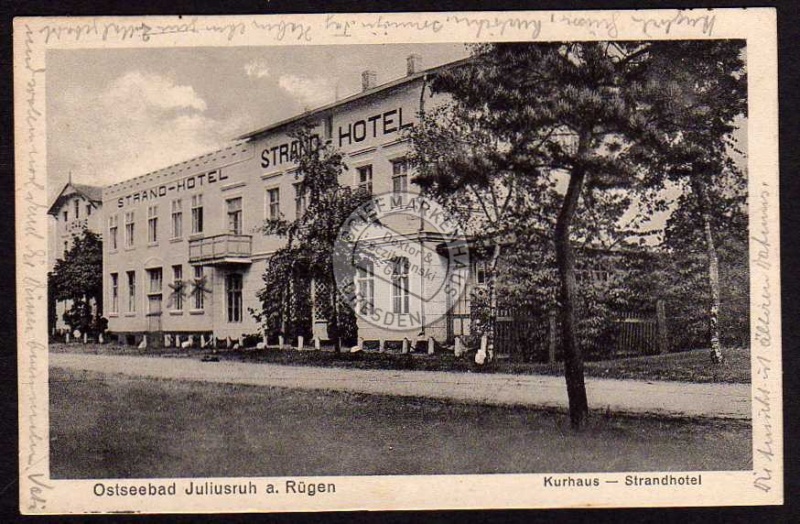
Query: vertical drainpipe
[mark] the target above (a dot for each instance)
(421, 222)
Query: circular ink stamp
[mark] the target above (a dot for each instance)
(401, 261)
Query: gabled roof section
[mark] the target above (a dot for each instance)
(352, 98)
(93, 194)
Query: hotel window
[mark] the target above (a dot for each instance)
(77, 209)
(233, 290)
(177, 288)
(399, 181)
(177, 218)
(129, 229)
(152, 224)
(113, 227)
(400, 285)
(273, 203)
(66, 218)
(366, 287)
(199, 288)
(328, 129)
(88, 210)
(234, 215)
(300, 203)
(365, 178)
(132, 291)
(154, 291)
(66, 248)
(197, 214)
(114, 293)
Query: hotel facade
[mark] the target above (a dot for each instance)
(183, 253)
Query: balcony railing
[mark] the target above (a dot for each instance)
(221, 249)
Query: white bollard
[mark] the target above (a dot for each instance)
(85, 338)
(143, 343)
(405, 346)
(101, 339)
(381, 345)
(66, 337)
(480, 356)
(202, 341)
(316, 343)
(431, 346)
(300, 343)
(459, 347)
(280, 341)
(264, 339)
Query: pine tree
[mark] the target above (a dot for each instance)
(593, 117)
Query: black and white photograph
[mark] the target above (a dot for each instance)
(536, 265)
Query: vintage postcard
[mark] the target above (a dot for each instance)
(398, 261)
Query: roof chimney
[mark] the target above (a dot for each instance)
(369, 79)
(413, 64)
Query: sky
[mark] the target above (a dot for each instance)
(116, 114)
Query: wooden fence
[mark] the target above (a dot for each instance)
(537, 338)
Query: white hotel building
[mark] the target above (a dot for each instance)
(182, 250)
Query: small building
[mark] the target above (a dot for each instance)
(75, 210)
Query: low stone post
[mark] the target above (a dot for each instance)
(381, 345)
(404, 349)
(431, 346)
(300, 343)
(458, 351)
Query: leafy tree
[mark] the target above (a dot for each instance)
(596, 117)
(458, 163)
(709, 244)
(78, 278)
(307, 255)
(699, 144)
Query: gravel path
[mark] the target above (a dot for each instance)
(673, 399)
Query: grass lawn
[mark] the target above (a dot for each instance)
(688, 366)
(111, 426)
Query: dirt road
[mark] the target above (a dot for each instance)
(671, 399)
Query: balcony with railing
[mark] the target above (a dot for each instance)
(226, 248)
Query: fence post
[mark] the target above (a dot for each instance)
(661, 327)
(552, 338)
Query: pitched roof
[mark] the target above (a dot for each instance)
(352, 98)
(93, 194)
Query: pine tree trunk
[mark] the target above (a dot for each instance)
(573, 360)
(713, 277)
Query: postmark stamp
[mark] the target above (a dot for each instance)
(381, 240)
